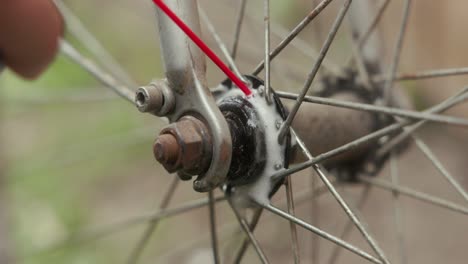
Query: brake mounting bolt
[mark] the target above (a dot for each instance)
(149, 99)
(155, 98)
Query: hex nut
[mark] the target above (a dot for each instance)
(184, 146)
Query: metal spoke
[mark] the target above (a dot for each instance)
(266, 19)
(198, 241)
(73, 98)
(380, 10)
(301, 197)
(415, 194)
(108, 80)
(237, 31)
(425, 74)
(331, 36)
(84, 151)
(110, 229)
(314, 220)
(162, 214)
(359, 58)
(293, 33)
(292, 226)
(351, 214)
(301, 45)
(396, 54)
(79, 31)
(321, 233)
(214, 236)
(430, 155)
(249, 234)
(306, 195)
(140, 246)
(446, 104)
(246, 242)
(449, 120)
(394, 173)
(342, 203)
(349, 225)
(460, 97)
(220, 43)
(332, 153)
(368, 32)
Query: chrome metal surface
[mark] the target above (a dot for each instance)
(155, 98)
(185, 69)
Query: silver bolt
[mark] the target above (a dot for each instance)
(278, 123)
(149, 99)
(278, 166)
(155, 98)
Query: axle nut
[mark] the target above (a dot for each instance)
(166, 149)
(184, 146)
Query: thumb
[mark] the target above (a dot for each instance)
(29, 34)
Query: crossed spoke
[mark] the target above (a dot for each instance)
(413, 121)
(144, 239)
(310, 78)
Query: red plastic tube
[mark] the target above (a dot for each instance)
(223, 67)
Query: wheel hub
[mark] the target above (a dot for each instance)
(257, 154)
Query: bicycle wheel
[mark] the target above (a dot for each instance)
(356, 202)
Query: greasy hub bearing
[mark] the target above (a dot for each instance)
(185, 146)
(254, 127)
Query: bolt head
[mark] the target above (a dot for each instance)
(184, 146)
(149, 99)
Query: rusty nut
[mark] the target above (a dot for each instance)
(184, 146)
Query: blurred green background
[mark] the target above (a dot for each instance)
(78, 157)
(71, 145)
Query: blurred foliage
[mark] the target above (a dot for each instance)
(61, 154)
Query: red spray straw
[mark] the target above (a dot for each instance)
(208, 52)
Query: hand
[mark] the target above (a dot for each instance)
(29, 34)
